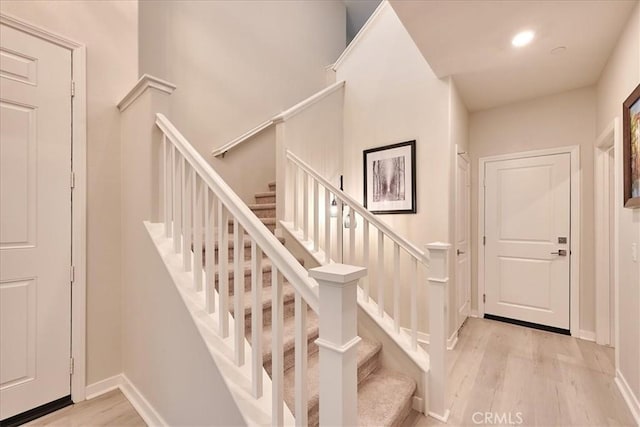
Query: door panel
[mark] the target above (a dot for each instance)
(527, 216)
(463, 255)
(35, 222)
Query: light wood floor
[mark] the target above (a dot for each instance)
(550, 379)
(110, 409)
(496, 368)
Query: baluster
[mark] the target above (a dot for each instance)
(256, 319)
(238, 290)
(305, 205)
(177, 200)
(365, 256)
(198, 195)
(296, 199)
(327, 226)
(352, 236)
(340, 227)
(316, 216)
(223, 273)
(209, 251)
(186, 216)
(277, 355)
(166, 180)
(414, 303)
(301, 400)
(380, 278)
(396, 287)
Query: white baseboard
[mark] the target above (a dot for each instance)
(101, 387)
(148, 413)
(629, 397)
(474, 313)
(137, 400)
(423, 338)
(587, 335)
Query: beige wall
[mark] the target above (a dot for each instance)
(109, 31)
(393, 96)
(559, 120)
(236, 64)
(620, 76)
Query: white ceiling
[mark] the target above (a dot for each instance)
(358, 11)
(471, 41)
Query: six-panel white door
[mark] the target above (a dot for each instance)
(462, 254)
(35, 217)
(527, 224)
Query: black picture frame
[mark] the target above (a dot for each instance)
(390, 178)
(631, 149)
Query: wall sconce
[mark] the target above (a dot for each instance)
(334, 208)
(348, 222)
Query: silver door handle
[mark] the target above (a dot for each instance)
(459, 252)
(561, 252)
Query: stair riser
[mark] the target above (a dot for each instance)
(364, 371)
(265, 213)
(265, 199)
(246, 250)
(272, 187)
(271, 227)
(266, 280)
(290, 355)
(288, 309)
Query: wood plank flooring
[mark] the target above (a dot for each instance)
(536, 378)
(496, 370)
(110, 409)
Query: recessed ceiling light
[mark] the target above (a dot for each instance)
(523, 38)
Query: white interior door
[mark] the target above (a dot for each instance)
(463, 256)
(35, 222)
(527, 227)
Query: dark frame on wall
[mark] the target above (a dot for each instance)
(631, 149)
(390, 178)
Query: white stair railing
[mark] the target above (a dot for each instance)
(196, 202)
(312, 201)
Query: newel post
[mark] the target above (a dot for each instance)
(438, 283)
(338, 343)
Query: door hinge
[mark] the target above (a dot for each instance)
(73, 88)
(484, 240)
(73, 180)
(72, 274)
(484, 297)
(71, 366)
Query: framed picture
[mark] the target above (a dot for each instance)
(631, 148)
(390, 178)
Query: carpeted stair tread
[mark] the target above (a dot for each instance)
(266, 197)
(262, 206)
(367, 350)
(288, 334)
(385, 398)
(288, 294)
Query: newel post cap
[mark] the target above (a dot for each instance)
(338, 273)
(438, 246)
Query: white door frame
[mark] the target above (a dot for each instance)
(79, 194)
(603, 238)
(574, 151)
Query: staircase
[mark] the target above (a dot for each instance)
(384, 397)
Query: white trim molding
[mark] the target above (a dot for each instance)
(79, 204)
(143, 83)
(630, 398)
(146, 411)
(576, 183)
(604, 241)
(423, 338)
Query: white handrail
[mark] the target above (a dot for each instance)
(221, 151)
(270, 245)
(409, 247)
(280, 117)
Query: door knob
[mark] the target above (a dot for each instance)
(459, 252)
(561, 252)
